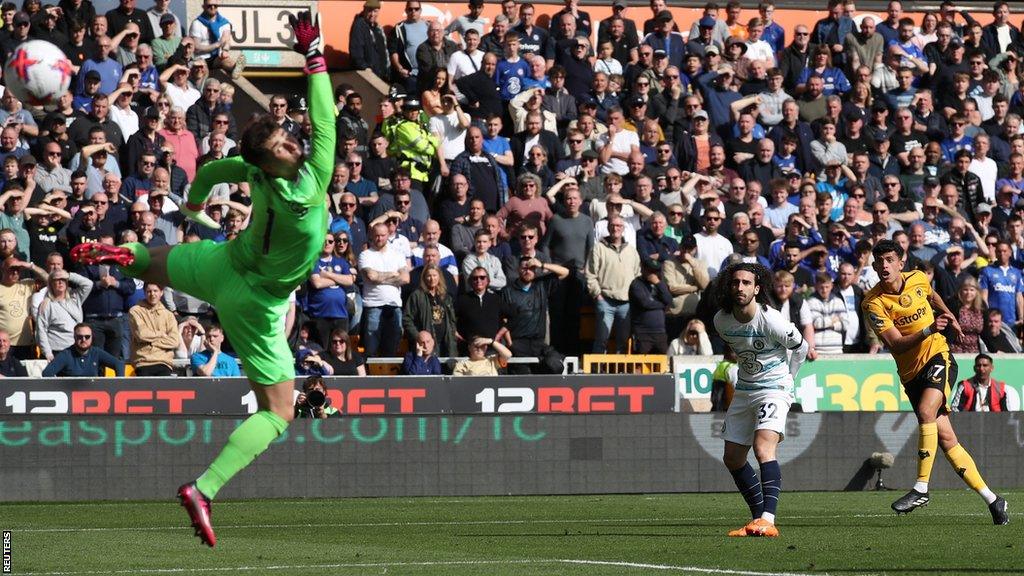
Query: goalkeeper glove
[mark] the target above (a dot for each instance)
(307, 40)
(197, 214)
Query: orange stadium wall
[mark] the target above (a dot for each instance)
(336, 17)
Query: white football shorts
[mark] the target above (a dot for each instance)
(753, 410)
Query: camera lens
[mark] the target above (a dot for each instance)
(316, 399)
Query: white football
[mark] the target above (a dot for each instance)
(38, 72)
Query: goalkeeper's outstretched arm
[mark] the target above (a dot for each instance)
(321, 99)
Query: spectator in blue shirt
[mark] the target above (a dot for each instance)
(361, 187)
(326, 294)
(110, 70)
(212, 361)
(308, 362)
(1002, 286)
(912, 55)
(512, 70)
(82, 359)
(104, 309)
(773, 33)
(422, 361)
(718, 97)
(958, 139)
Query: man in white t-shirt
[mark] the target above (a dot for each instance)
(617, 144)
(712, 247)
(984, 167)
(450, 127)
(631, 212)
(757, 48)
(384, 272)
(468, 60)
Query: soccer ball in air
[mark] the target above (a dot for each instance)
(37, 72)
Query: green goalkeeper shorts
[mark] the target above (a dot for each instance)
(252, 318)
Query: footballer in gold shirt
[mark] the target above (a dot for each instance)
(909, 311)
(900, 310)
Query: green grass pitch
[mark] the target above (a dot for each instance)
(845, 534)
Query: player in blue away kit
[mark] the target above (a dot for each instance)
(769, 350)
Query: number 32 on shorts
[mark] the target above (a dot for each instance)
(767, 411)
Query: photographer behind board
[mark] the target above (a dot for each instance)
(313, 402)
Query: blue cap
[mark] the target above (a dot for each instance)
(587, 99)
(706, 22)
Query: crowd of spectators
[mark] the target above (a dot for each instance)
(613, 168)
(529, 191)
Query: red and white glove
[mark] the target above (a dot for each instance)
(307, 40)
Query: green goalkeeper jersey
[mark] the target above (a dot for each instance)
(289, 217)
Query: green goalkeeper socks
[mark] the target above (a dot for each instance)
(141, 264)
(246, 443)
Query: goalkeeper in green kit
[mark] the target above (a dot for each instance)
(250, 278)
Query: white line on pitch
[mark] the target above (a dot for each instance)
(465, 522)
(481, 500)
(619, 564)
